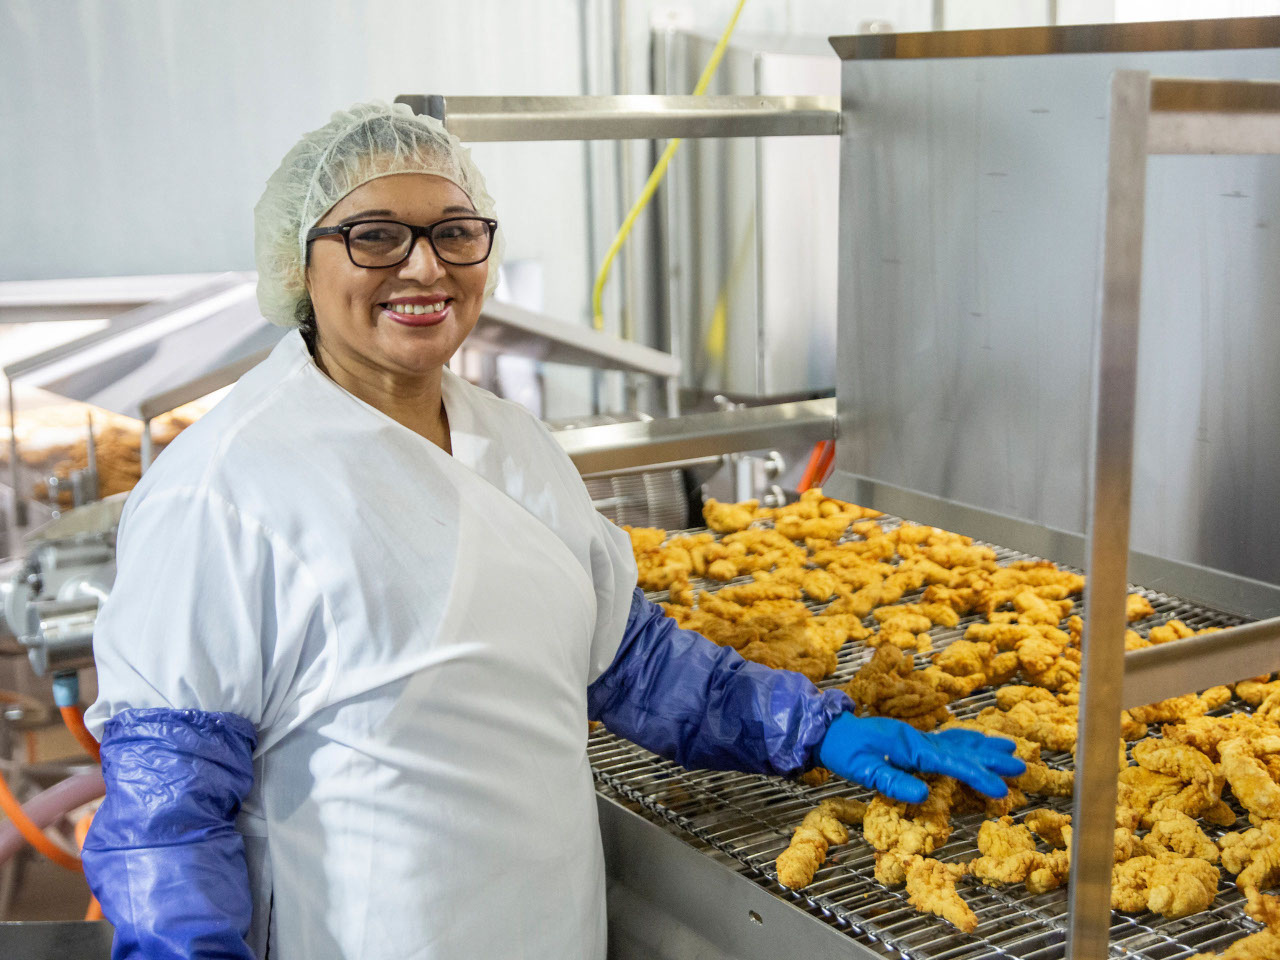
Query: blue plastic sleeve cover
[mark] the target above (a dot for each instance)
(676, 693)
(163, 856)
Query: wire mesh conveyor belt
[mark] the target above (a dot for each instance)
(746, 820)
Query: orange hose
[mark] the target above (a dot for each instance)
(94, 911)
(73, 717)
(31, 833)
(825, 464)
(806, 480)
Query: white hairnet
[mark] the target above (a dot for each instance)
(368, 141)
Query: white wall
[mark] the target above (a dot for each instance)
(135, 136)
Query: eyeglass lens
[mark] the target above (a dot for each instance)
(383, 243)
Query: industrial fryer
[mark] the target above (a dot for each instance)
(989, 382)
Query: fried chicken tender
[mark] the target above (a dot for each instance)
(962, 658)
(1207, 733)
(1040, 654)
(807, 851)
(998, 871)
(645, 539)
(1050, 872)
(935, 613)
(1257, 689)
(1141, 789)
(1003, 838)
(1178, 760)
(819, 585)
(1137, 607)
(911, 829)
(821, 528)
(1264, 945)
(1053, 726)
(903, 619)
(845, 809)
(1250, 780)
(904, 640)
(1239, 849)
(816, 777)
(931, 888)
(681, 592)
(887, 685)
(1174, 710)
(822, 827)
(1042, 780)
(1048, 826)
(891, 867)
(1169, 885)
(1180, 834)
(1169, 631)
(729, 517)
(723, 569)
(1002, 636)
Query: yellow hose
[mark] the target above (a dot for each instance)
(655, 178)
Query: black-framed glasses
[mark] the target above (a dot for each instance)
(461, 241)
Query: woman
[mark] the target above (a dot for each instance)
(364, 611)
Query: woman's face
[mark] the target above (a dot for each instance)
(358, 310)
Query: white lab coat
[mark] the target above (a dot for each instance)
(412, 635)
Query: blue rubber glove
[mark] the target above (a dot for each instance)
(676, 693)
(877, 752)
(163, 856)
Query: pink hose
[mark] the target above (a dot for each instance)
(44, 808)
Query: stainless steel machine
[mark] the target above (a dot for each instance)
(995, 275)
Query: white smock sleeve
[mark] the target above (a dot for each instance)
(613, 571)
(609, 560)
(210, 611)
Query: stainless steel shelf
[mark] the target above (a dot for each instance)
(641, 117)
(619, 446)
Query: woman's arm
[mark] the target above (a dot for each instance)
(163, 856)
(676, 693)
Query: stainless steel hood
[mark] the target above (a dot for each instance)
(156, 357)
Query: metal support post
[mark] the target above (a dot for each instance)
(1110, 462)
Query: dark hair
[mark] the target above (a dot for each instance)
(307, 327)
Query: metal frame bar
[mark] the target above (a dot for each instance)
(635, 117)
(1110, 473)
(1159, 672)
(616, 446)
(1147, 117)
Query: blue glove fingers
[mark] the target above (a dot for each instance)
(962, 739)
(994, 753)
(879, 774)
(1003, 765)
(934, 760)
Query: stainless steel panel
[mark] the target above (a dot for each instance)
(971, 195)
(636, 117)
(56, 940)
(617, 446)
(750, 250)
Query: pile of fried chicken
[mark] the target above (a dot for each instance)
(786, 562)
